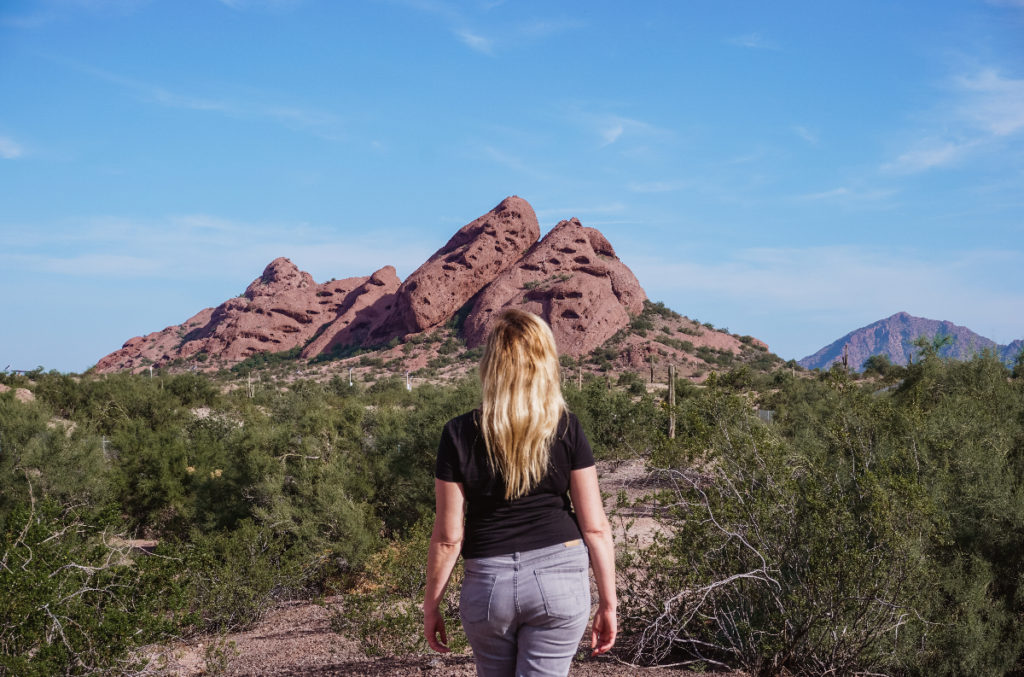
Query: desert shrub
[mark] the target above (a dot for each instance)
(776, 562)
(368, 361)
(861, 532)
(450, 345)
(265, 360)
(632, 382)
(641, 324)
(882, 366)
(764, 361)
(684, 346)
(658, 308)
(76, 600)
(615, 425)
(965, 427)
(383, 609)
(400, 447)
(235, 577)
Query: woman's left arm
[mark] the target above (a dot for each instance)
(445, 544)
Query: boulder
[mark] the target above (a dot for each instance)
(21, 394)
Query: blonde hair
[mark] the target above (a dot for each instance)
(522, 399)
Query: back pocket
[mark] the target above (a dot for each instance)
(565, 590)
(475, 597)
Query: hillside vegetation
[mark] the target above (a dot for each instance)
(869, 524)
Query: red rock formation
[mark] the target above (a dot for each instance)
(364, 307)
(573, 279)
(473, 257)
(280, 310)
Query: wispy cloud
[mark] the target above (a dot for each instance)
(10, 149)
(319, 123)
(994, 103)
(97, 265)
(273, 5)
(847, 195)
(466, 24)
(474, 41)
(806, 134)
(657, 186)
(929, 154)
(753, 41)
(881, 277)
(845, 282)
(545, 28)
(612, 132)
(610, 128)
(984, 110)
(515, 163)
(200, 245)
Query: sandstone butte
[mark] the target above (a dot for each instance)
(572, 278)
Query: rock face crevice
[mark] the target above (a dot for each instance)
(572, 278)
(583, 291)
(480, 251)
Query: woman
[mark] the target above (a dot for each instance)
(503, 481)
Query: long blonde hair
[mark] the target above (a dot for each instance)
(522, 399)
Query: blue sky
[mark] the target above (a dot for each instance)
(790, 170)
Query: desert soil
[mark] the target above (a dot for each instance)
(296, 638)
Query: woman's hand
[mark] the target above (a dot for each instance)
(433, 625)
(603, 631)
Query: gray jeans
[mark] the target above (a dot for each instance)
(524, 613)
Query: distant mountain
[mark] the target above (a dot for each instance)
(894, 337)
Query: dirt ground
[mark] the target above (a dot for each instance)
(296, 638)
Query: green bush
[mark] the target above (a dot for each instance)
(76, 599)
(860, 532)
(616, 426)
(235, 577)
(383, 610)
(632, 382)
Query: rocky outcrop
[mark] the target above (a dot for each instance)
(363, 308)
(479, 252)
(573, 279)
(280, 310)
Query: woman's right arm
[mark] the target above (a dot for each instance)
(597, 533)
(445, 544)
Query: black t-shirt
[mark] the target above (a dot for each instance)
(495, 526)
